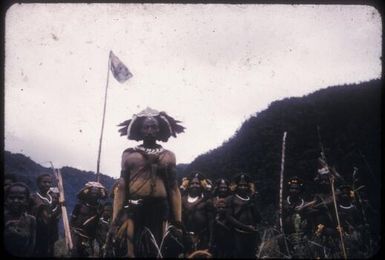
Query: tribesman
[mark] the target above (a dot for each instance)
(243, 216)
(147, 193)
(221, 237)
(45, 207)
(325, 237)
(19, 227)
(85, 218)
(295, 220)
(351, 222)
(196, 214)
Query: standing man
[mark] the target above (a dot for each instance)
(85, 218)
(295, 220)
(147, 194)
(196, 213)
(221, 243)
(322, 218)
(351, 222)
(19, 227)
(243, 216)
(45, 207)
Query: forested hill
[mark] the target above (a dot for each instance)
(26, 170)
(349, 119)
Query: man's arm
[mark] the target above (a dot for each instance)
(174, 196)
(119, 197)
(233, 221)
(173, 193)
(119, 188)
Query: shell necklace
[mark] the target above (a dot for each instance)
(245, 199)
(44, 198)
(288, 201)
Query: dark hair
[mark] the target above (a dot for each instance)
(41, 176)
(20, 184)
(168, 126)
(219, 182)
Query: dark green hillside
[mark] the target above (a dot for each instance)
(349, 118)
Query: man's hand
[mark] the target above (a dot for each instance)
(319, 230)
(177, 230)
(340, 229)
(252, 228)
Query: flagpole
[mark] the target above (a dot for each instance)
(104, 115)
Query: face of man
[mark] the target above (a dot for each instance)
(294, 187)
(93, 194)
(243, 188)
(222, 189)
(107, 212)
(17, 200)
(44, 184)
(194, 187)
(345, 195)
(150, 129)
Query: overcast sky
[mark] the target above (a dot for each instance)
(211, 66)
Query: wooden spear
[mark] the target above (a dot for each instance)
(67, 231)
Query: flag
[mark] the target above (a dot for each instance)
(118, 69)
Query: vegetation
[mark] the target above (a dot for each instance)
(349, 121)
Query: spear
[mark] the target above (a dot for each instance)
(67, 231)
(280, 190)
(332, 178)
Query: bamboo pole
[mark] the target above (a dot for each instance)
(67, 231)
(280, 191)
(104, 116)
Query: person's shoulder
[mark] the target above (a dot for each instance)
(132, 154)
(130, 150)
(167, 154)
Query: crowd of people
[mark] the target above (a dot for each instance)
(219, 219)
(148, 213)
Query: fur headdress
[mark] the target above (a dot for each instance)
(296, 181)
(205, 183)
(168, 126)
(92, 184)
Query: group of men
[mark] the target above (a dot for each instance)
(30, 219)
(152, 215)
(327, 223)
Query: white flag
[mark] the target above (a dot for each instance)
(118, 69)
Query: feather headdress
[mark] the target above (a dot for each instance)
(168, 126)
